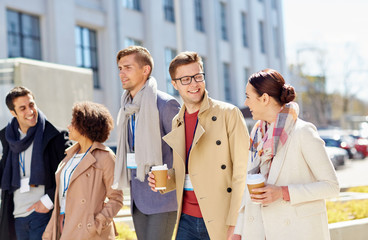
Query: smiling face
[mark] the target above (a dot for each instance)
(25, 111)
(254, 102)
(131, 74)
(193, 93)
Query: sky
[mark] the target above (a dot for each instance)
(330, 36)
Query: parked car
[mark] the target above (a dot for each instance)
(361, 145)
(341, 142)
(337, 156)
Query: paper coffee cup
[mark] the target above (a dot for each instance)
(160, 173)
(255, 181)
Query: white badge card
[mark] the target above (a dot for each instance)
(131, 164)
(62, 205)
(187, 183)
(24, 185)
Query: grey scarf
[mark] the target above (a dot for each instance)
(147, 134)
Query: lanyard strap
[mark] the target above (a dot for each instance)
(133, 129)
(22, 162)
(66, 185)
(190, 148)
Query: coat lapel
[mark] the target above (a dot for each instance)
(278, 162)
(84, 164)
(173, 139)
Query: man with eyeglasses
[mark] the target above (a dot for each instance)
(210, 143)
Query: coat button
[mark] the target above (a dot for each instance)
(83, 201)
(287, 222)
(79, 225)
(218, 142)
(214, 118)
(89, 225)
(88, 174)
(251, 219)
(223, 166)
(229, 189)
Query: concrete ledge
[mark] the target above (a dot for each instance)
(354, 229)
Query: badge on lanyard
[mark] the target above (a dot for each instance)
(187, 183)
(131, 164)
(62, 205)
(24, 185)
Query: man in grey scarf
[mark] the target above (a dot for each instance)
(144, 117)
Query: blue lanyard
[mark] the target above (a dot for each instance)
(67, 185)
(22, 162)
(133, 129)
(190, 148)
(252, 148)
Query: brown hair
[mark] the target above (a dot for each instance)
(92, 120)
(271, 82)
(16, 92)
(141, 55)
(184, 58)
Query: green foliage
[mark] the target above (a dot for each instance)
(362, 189)
(348, 210)
(125, 233)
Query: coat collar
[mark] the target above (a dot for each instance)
(86, 162)
(176, 137)
(205, 105)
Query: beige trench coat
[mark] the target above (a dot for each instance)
(87, 215)
(304, 166)
(217, 163)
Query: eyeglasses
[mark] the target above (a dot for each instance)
(186, 80)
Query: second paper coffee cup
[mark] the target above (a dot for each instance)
(160, 173)
(255, 181)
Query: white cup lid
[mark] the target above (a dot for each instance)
(162, 167)
(255, 178)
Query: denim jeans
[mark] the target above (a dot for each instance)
(191, 228)
(32, 226)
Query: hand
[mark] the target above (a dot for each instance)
(151, 181)
(269, 194)
(230, 232)
(38, 207)
(236, 237)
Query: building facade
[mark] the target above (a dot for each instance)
(234, 37)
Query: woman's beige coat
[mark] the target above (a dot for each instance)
(87, 215)
(217, 163)
(304, 166)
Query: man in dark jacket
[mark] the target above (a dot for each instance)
(32, 150)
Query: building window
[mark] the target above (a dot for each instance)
(132, 4)
(226, 69)
(169, 55)
(276, 41)
(23, 35)
(262, 37)
(274, 4)
(244, 29)
(169, 10)
(132, 42)
(246, 76)
(223, 22)
(198, 15)
(86, 51)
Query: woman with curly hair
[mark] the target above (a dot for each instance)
(84, 179)
(291, 156)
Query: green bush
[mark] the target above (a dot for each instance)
(349, 210)
(125, 233)
(362, 189)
